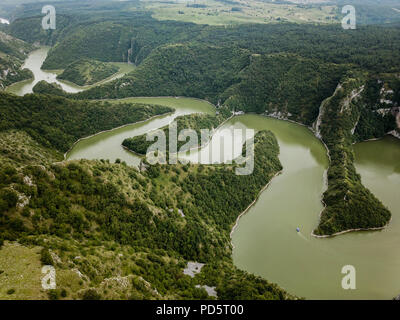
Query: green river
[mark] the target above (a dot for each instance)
(265, 241)
(34, 63)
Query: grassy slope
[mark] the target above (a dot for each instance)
(20, 270)
(86, 72)
(17, 148)
(190, 70)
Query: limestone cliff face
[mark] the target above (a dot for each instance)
(349, 205)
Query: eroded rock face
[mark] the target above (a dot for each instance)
(210, 290)
(193, 268)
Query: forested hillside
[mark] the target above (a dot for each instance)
(190, 70)
(103, 224)
(113, 231)
(197, 122)
(86, 72)
(283, 85)
(283, 70)
(58, 122)
(349, 205)
(12, 54)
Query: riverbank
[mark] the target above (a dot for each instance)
(34, 63)
(120, 127)
(251, 204)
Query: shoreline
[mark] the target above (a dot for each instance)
(388, 134)
(351, 230)
(114, 76)
(266, 186)
(141, 121)
(158, 97)
(119, 74)
(326, 181)
(250, 205)
(116, 128)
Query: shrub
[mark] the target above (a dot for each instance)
(91, 294)
(45, 257)
(53, 294)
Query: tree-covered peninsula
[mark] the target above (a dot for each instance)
(102, 224)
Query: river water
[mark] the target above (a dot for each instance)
(34, 63)
(267, 244)
(265, 241)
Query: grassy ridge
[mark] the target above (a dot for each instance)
(349, 205)
(86, 72)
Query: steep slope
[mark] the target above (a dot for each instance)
(58, 122)
(349, 205)
(190, 70)
(12, 54)
(284, 86)
(86, 72)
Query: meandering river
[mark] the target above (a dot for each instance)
(266, 242)
(34, 63)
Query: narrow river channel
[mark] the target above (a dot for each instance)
(34, 63)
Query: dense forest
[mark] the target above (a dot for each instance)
(282, 70)
(58, 122)
(86, 72)
(284, 85)
(191, 70)
(151, 222)
(349, 205)
(116, 224)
